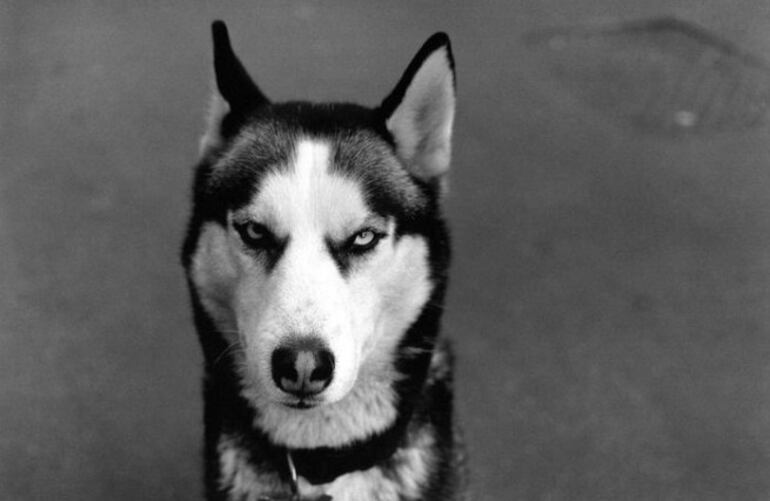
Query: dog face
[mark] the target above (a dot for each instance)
(313, 242)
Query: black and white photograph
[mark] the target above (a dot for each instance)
(305, 250)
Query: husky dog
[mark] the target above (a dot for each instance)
(316, 258)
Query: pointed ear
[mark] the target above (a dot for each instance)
(236, 91)
(419, 112)
(233, 81)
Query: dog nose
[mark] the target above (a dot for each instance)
(303, 368)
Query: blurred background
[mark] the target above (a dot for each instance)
(610, 206)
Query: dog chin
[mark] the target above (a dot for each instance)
(300, 405)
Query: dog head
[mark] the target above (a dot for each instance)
(315, 235)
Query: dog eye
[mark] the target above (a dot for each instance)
(364, 240)
(254, 234)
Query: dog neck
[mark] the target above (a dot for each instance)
(322, 465)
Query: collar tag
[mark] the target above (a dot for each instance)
(294, 496)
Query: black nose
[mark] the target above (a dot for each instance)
(303, 368)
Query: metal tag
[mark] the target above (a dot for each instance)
(294, 496)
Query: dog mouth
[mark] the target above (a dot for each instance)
(301, 404)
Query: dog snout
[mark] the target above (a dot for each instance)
(303, 368)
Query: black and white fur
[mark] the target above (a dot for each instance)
(316, 230)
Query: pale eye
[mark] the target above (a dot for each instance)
(254, 234)
(364, 238)
(364, 241)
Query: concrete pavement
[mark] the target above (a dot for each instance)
(610, 288)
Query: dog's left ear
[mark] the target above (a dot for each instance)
(419, 112)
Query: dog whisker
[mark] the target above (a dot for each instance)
(234, 347)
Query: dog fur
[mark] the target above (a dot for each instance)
(320, 223)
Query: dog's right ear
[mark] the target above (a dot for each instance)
(236, 94)
(419, 112)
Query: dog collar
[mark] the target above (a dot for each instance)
(323, 465)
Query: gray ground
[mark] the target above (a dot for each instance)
(611, 281)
